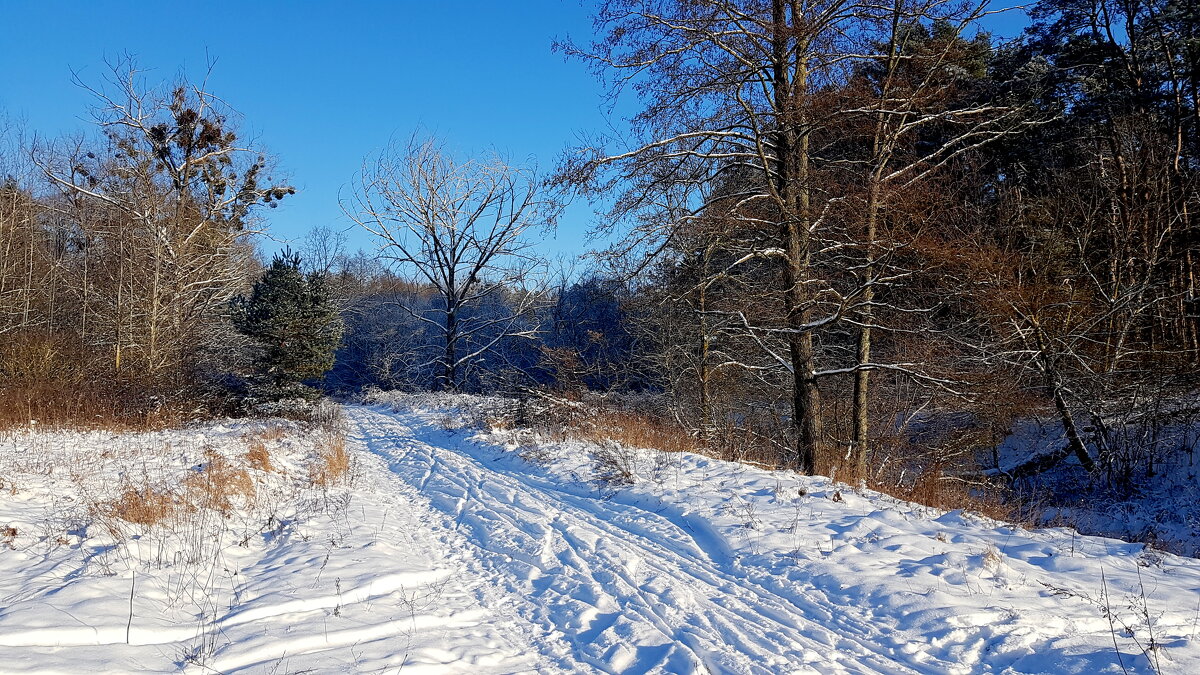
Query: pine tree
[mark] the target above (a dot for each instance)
(292, 319)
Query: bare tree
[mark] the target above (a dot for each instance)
(323, 248)
(461, 227)
(916, 109)
(165, 207)
(22, 259)
(755, 87)
(22, 255)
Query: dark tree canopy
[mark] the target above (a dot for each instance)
(294, 323)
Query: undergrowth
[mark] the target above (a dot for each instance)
(614, 431)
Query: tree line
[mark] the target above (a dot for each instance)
(877, 213)
(123, 249)
(848, 236)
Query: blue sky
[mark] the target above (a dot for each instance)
(323, 85)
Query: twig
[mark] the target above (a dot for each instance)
(1152, 650)
(1112, 629)
(129, 624)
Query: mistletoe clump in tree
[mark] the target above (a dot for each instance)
(292, 319)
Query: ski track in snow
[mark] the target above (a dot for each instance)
(450, 553)
(626, 583)
(627, 590)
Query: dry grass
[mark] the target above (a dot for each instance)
(258, 457)
(615, 438)
(272, 433)
(142, 506)
(932, 487)
(258, 454)
(641, 429)
(744, 445)
(332, 465)
(61, 383)
(219, 486)
(615, 463)
(991, 558)
(635, 430)
(86, 406)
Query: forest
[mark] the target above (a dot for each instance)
(862, 240)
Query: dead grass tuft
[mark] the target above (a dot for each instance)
(991, 558)
(273, 433)
(142, 506)
(258, 457)
(218, 484)
(615, 463)
(333, 462)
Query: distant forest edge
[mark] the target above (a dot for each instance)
(857, 239)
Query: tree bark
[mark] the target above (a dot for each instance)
(792, 178)
(866, 315)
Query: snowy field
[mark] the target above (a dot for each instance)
(446, 548)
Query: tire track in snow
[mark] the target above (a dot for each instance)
(625, 589)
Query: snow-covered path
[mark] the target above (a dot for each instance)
(451, 549)
(356, 578)
(622, 588)
(636, 582)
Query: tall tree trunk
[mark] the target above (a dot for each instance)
(449, 367)
(881, 149)
(794, 191)
(705, 401)
(866, 315)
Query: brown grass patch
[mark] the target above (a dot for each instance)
(934, 488)
(60, 382)
(333, 462)
(142, 506)
(218, 484)
(258, 457)
(88, 405)
(636, 430)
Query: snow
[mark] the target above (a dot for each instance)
(307, 578)
(455, 549)
(1163, 507)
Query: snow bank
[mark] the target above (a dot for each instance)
(456, 548)
(703, 564)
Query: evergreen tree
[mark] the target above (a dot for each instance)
(292, 318)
